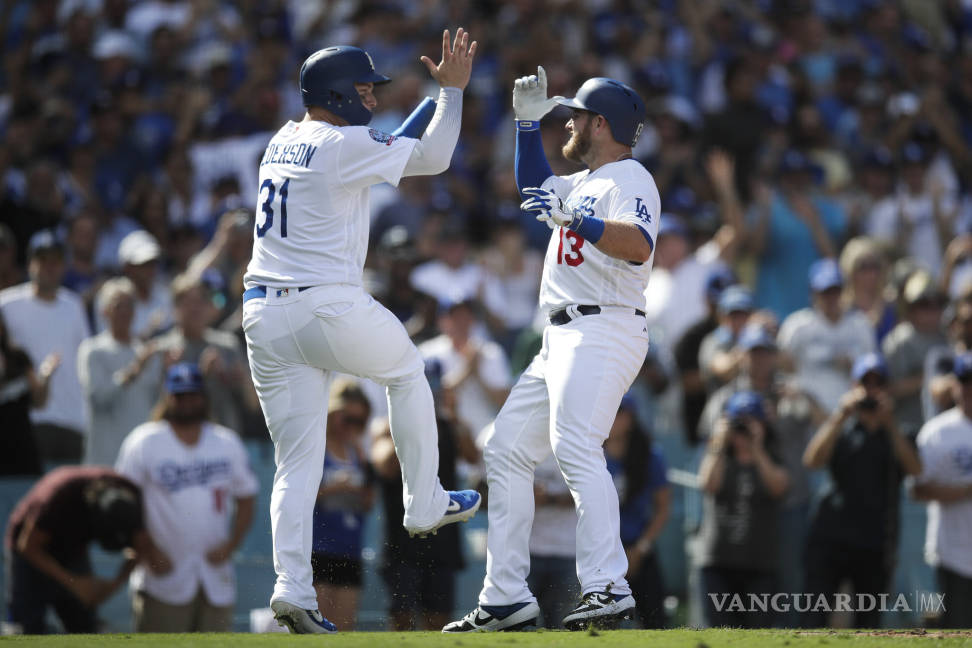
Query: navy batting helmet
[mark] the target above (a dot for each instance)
(327, 80)
(616, 102)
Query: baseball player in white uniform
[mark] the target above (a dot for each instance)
(306, 315)
(604, 222)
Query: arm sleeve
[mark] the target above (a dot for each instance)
(433, 152)
(530, 167)
(638, 204)
(416, 123)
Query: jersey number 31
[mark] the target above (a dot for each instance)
(267, 208)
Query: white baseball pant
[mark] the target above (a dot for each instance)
(565, 401)
(295, 342)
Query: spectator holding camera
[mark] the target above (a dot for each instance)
(945, 448)
(744, 482)
(854, 533)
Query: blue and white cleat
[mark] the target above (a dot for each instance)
(600, 609)
(494, 618)
(301, 621)
(462, 506)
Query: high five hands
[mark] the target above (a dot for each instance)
(456, 65)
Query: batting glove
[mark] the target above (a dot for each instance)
(549, 208)
(530, 101)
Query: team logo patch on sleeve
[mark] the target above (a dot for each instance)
(382, 137)
(641, 211)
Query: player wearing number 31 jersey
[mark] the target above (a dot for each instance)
(604, 221)
(306, 315)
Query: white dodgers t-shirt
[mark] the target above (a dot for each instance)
(188, 494)
(945, 448)
(577, 273)
(312, 213)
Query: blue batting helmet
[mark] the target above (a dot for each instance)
(327, 80)
(618, 103)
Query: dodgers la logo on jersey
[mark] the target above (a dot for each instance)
(381, 137)
(641, 211)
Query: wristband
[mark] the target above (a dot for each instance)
(589, 227)
(527, 125)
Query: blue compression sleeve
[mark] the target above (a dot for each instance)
(531, 166)
(591, 228)
(416, 123)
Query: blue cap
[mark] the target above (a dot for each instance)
(44, 241)
(869, 363)
(672, 224)
(755, 336)
(183, 378)
(962, 368)
(735, 298)
(825, 274)
(718, 280)
(745, 403)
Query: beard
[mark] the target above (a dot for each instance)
(579, 144)
(187, 414)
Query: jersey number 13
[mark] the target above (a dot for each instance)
(569, 246)
(267, 207)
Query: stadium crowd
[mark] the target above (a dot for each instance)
(810, 304)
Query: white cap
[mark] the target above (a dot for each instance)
(138, 247)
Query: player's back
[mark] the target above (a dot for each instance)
(312, 214)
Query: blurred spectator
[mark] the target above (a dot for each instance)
(420, 573)
(743, 483)
(396, 257)
(46, 547)
(792, 227)
(794, 415)
(862, 262)
(48, 322)
(138, 254)
(21, 388)
(121, 377)
(854, 533)
(511, 281)
(920, 217)
(451, 274)
(195, 478)
(821, 342)
(937, 392)
(675, 299)
(638, 468)
(945, 447)
(875, 183)
(717, 361)
(907, 346)
(223, 262)
(217, 353)
(957, 273)
(553, 545)
(474, 367)
(81, 274)
(344, 498)
(686, 352)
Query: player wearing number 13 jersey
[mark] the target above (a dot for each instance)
(307, 317)
(604, 222)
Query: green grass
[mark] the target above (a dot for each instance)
(679, 638)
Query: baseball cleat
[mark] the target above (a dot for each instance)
(301, 621)
(601, 609)
(462, 506)
(494, 618)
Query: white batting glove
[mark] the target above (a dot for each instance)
(530, 101)
(548, 206)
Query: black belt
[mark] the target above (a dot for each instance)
(261, 291)
(560, 316)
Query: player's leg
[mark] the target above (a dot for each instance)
(592, 362)
(363, 338)
(517, 442)
(293, 397)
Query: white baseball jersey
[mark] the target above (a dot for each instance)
(575, 273)
(312, 214)
(188, 493)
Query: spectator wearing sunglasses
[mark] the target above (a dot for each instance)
(345, 496)
(945, 448)
(853, 535)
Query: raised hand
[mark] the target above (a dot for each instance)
(547, 206)
(456, 65)
(530, 101)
